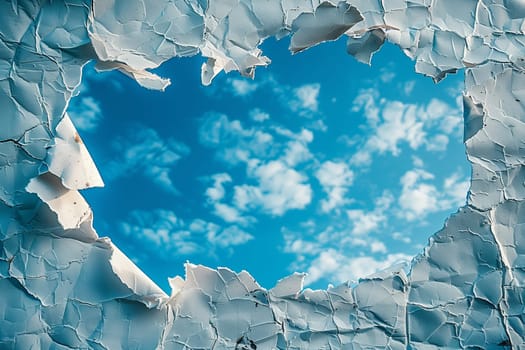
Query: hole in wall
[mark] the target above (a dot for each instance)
(321, 164)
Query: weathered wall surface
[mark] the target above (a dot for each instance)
(64, 287)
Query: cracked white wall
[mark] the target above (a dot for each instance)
(63, 287)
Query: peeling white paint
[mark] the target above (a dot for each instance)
(62, 287)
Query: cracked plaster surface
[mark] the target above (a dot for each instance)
(64, 287)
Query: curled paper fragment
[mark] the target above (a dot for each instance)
(69, 205)
(69, 160)
(147, 292)
(363, 47)
(64, 287)
(142, 77)
(328, 22)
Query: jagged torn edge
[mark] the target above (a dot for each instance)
(72, 289)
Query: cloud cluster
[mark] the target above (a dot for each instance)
(168, 236)
(268, 154)
(302, 100)
(280, 173)
(279, 188)
(268, 167)
(341, 267)
(392, 124)
(268, 157)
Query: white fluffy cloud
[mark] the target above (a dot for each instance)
(420, 196)
(398, 123)
(216, 192)
(335, 178)
(215, 195)
(143, 151)
(395, 123)
(280, 188)
(378, 247)
(259, 115)
(241, 87)
(296, 152)
(306, 97)
(270, 156)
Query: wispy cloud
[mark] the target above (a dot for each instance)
(85, 109)
(259, 115)
(338, 254)
(456, 187)
(228, 237)
(387, 74)
(143, 151)
(233, 142)
(241, 87)
(337, 267)
(162, 232)
(364, 222)
(302, 100)
(85, 112)
(408, 87)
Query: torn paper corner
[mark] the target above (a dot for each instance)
(71, 208)
(144, 78)
(144, 289)
(327, 23)
(289, 286)
(218, 61)
(363, 46)
(69, 159)
(176, 284)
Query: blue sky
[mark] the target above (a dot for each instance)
(320, 165)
